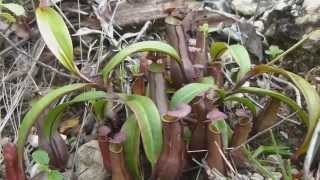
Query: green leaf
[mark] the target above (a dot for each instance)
(14, 8)
(53, 120)
(245, 101)
(237, 51)
(37, 108)
(98, 108)
(274, 51)
(8, 17)
(139, 47)
(310, 94)
(283, 150)
(90, 95)
(217, 49)
(56, 36)
(187, 93)
(241, 56)
(55, 175)
(148, 118)
(206, 80)
(204, 28)
(132, 146)
(41, 157)
(283, 98)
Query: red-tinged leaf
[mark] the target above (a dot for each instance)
(310, 94)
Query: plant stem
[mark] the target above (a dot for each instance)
(290, 49)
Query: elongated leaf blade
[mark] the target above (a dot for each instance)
(149, 122)
(310, 94)
(283, 98)
(241, 56)
(139, 47)
(90, 95)
(37, 108)
(132, 146)
(56, 36)
(187, 93)
(16, 9)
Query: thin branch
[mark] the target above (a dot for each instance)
(291, 48)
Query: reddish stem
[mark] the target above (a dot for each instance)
(215, 159)
(199, 132)
(13, 171)
(172, 158)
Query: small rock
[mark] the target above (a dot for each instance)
(33, 140)
(312, 14)
(245, 7)
(90, 164)
(274, 158)
(256, 176)
(311, 5)
(277, 175)
(251, 40)
(259, 25)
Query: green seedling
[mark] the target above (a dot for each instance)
(42, 159)
(273, 51)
